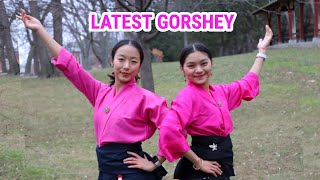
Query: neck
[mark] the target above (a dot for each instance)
(119, 85)
(206, 86)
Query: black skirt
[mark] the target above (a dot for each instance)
(110, 160)
(212, 148)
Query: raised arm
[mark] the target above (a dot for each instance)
(35, 25)
(64, 60)
(262, 47)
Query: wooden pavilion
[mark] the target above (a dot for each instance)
(280, 8)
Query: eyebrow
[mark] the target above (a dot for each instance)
(202, 60)
(133, 57)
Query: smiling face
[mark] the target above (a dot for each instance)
(197, 68)
(126, 64)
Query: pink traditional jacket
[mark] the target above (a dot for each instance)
(130, 116)
(197, 112)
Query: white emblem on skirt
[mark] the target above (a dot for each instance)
(213, 146)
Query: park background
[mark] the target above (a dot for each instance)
(46, 128)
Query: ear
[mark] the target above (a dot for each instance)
(181, 69)
(212, 62)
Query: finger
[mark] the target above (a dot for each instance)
(145, 156)
(215, 163)
(214, 173)
(28, 17)
(268, 31)
(135, 166)
(217, 170)
(23, 15)
(130, 159)
(19, 17)
(23, 11)
(131, 162)
(134, 154)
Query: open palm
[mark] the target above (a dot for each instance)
(263, 44)
(29, 21)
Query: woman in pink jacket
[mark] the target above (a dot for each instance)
(203, 111)
(124, 114)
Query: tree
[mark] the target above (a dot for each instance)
(2, 57)
(41, 53)
(77, 23)
(5, 34)
(57, 12)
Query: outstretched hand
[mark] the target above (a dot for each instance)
(139, 163)
(263, 44)
(29, 21)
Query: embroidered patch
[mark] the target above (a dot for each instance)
(213, 146)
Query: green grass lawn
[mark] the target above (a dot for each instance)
(46, 126)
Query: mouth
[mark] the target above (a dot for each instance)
(200, 76)
(125, 74)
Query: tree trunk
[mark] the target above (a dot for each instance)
(29, 60)
(2, 57)
(57, 12)
(7, 41)
(146, 68)
(45, 66)
(36, 63)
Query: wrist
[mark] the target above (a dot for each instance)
(262, 56)
(156, 162)
(198, 165)
(40, 30)
(262, 50)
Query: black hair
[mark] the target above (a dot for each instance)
(193, 48)
(120, 44)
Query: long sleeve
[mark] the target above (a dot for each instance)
(80, 78)
(157, 110)
(172, 140)
(245, 89)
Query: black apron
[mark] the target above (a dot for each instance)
(110, 160)
(212, 148)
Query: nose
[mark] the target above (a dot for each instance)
(126, 65)
(198, 70)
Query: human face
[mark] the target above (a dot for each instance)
(126, 64)
(197, 68)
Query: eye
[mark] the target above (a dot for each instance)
(134, 62)
(204, 63)
(120, 59)
(190, 66)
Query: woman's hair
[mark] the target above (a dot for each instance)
(120, 44)
(193, 48)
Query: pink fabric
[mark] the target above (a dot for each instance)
(133, 113)
(196, 112)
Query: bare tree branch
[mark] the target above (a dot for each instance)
(125, 6)
(155, 34)
(102, 5)
(196, 6)
(147, 5)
